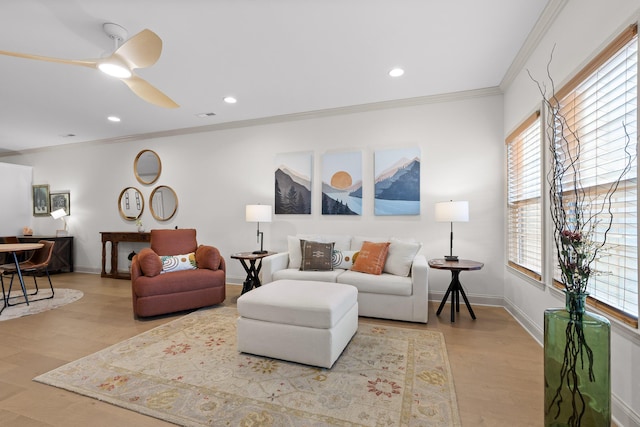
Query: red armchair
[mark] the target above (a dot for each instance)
(155, 292)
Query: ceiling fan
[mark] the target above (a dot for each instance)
(140, 51)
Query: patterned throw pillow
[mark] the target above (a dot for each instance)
(316, 256)
(371, 258)
(344, 259)
(172, 263)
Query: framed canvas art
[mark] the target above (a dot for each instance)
(397, 182)
(342, 183)
(40, 200)
(60, 201)
(293, 183)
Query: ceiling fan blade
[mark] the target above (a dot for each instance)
(146, 91)
(141, 50)
(91, 63)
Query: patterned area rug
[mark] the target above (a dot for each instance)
(189, 372)
(60, 297)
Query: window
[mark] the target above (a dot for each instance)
(524, 202)
(600, 106)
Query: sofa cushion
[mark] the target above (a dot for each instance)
(207, 257)
(316, 256)
(343, 259)
(400, 257)
(173, 263)
(388, 284)
(357, 241)
(296, 274)
(371, 258)
(149, 262)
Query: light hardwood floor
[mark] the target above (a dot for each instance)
(496, 364)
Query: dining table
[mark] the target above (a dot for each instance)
(14, 249)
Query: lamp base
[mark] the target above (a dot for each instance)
(259, 252)
(451, 258)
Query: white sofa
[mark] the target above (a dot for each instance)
(399, 293)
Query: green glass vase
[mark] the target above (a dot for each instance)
(577, 365)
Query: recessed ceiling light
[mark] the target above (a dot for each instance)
(230, 100)
(396, 72)
(113, 119)
(205, 115)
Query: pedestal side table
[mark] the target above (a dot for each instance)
(455, 287)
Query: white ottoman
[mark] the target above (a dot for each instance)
(300, 321)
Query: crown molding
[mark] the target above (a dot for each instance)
(544, 22)
(354, 109)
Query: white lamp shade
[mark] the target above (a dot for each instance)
(59, 213)
(258, 213)
(452, 211)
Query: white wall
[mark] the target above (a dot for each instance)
(215, 174)
(16, 199)
(581, 30)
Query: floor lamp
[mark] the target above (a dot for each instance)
(452, 212)
(258, 213)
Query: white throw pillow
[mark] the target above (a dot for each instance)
(178, 262)
(400, 257)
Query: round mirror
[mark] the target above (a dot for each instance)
(164, 203)
(147, 167)
(131, 203)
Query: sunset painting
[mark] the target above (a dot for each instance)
(342, 183)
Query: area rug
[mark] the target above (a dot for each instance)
(189, 372)
(61, 297)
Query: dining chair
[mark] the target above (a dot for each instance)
(37, 263)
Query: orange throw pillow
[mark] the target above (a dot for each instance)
(371, 258)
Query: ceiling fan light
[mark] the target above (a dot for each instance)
(114, 70)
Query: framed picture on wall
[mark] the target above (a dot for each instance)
(397, 182)
(293, 183)
(60, 201)
(40, 200)
(342, 183)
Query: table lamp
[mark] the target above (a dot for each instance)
(60, 214)
(258, 213)
(452, 212)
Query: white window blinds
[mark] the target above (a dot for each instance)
(600, 106)
(524, 202)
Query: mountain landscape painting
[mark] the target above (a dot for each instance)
(293, 183)
(342, 183)
(397, 182)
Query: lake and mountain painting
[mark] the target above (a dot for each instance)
(293, 183)
(397, 182)
(342, 183)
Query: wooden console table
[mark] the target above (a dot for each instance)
(116, 237)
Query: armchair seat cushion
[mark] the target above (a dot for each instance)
(177, 282)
